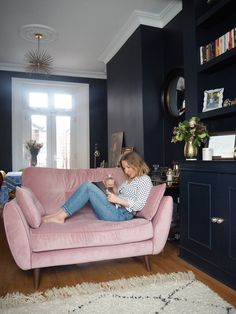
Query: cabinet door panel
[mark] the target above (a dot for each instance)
(196, 212)
(227, 210)
(199, 209)
(232, 224)
(208, 217)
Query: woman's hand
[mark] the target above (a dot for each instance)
(115, 199)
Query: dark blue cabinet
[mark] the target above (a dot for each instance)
(208, 217)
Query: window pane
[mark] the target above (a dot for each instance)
(62, 101)
(39, 133)
(63, 142)
(38, 100)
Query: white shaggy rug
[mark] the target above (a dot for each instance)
(171, 293)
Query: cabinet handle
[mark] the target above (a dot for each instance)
(217, 220)
(214, 219)
(220, 220)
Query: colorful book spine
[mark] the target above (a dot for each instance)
(218, 46)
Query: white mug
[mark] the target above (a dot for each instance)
(207, 153)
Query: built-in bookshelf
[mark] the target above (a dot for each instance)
(218, 46)
(216, 52)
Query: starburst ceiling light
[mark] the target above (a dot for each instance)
(39, 61)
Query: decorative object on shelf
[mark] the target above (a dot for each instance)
(213, 99)
(173, 94)
(33, 147)
(190, 150)
(233, 101)
(176, 172)
(207, 153)
(169, 177)
(155, 167)
(227, 102)
(193, 132)
(96, 154)
(223, 145)
(158, 174)
(38, 61)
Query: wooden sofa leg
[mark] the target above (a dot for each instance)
(36, 277)
(147, 263)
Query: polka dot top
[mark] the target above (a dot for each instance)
(136, 192)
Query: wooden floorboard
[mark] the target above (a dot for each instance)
(13, 279)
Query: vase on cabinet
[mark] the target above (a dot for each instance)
(33, 160)
(190, 150)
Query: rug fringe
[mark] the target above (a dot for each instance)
(14, 299)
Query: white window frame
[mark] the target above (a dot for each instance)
(80, 134)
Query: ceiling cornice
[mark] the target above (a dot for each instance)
(140, 18)
(55, 71)
(137, 18)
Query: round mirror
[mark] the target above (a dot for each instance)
(173, 95)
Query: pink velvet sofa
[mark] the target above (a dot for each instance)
(82, 238)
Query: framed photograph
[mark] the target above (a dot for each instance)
(116, 147)
(213, 99)
(222, 145)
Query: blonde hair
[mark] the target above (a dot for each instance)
(135, 161)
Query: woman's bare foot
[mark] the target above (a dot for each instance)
(51, 215)
(58, 217)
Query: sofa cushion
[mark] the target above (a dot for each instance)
(85, 230)
(35, 200)
(30, 206)
(153, 201)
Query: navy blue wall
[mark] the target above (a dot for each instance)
(134, 77)
(97, 118)
(174, 59)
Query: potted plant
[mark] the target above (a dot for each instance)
(193, 133)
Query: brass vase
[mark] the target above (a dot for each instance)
(190, 150)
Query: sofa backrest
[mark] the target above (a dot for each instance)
(54, 186)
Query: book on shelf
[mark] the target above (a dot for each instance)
(218, 46)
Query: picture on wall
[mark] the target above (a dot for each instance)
(223, 145)
(116, 147)
(213, 99)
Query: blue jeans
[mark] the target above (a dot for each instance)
(103, 209)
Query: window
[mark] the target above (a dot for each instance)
(55, 114)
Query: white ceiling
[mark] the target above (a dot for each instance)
(89, 32)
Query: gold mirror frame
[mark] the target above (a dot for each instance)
(173, 94)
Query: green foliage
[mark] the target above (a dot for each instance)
(190, 130)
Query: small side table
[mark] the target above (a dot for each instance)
(172, 189)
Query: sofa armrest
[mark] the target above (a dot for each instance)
(161, 223)
(18, 234)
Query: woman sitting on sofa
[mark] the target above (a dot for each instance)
(131, 197)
